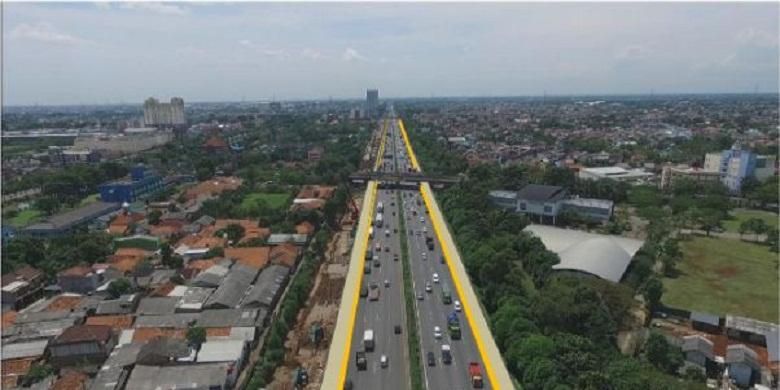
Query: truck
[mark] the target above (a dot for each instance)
(429, 242)
(379, 220)
(446, 294)
(360, 360)
(368, 340)
(475, 373)
(446, 354)
(453, 326)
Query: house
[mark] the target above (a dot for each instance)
(233, 352)
(278, 239)
(315, 153)
(22, 287)
(698, 350)
(285, 254)
(212, 276)
(230, 318)
(82, 344)
(162, 351)
(742, 364)
(79, 279)
(268, 287)
(705, 322)
(304, 227)
(256, 257)
(125, 304)
(192, 298)
(233, 288)
(116, 322)
(71, 380)
(115, 370)
(157, 305)
(212, 376)
(126, 260)
(212, 187)
(123, 223)
(215, 144)
(18, 358)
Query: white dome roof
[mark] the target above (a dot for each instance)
(600, 256)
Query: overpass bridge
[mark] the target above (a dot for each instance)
(398, 179)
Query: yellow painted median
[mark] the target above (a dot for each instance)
(338, 356)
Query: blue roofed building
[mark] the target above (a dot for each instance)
(141, 184)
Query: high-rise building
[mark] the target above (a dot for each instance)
(372, 102)
(164, 114)
(733, 165)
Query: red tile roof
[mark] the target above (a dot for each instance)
(304, 227)
(71, 380)
(64, 303)
(8, 318)
(142, 335)
(256, 257)
(25, 273)
(79, 270)
(116, 322)
(14, 369)
(80, 333)
(284, 254)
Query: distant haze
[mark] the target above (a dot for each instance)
(95, 53)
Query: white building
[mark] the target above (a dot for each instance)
(165, 114)
(615, 173)
(133, 140)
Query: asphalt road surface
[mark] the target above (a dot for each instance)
(384, 314)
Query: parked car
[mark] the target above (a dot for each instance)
(431, 359)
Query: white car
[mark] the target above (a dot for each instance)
(383, 361)
(428, 287)
(457, 306)
(436, 332)
(422, 220)
(436, 278)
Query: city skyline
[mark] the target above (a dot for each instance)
(79, 53)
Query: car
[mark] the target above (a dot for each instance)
(395, 257)
(395, 230)
(420, 296)
(348, 384)
(425, 256)
(436, 332)
(387, 249)
(373, 285)
(394, 213)
(376, 263)
(383, 361)
(363, 291)
(428, 287)
(397, 329)
(387, 283)
(422, 220)
(431, 359)
(425, 229)
(458, 307)
(435, 277)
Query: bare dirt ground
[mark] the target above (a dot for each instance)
(322, 307)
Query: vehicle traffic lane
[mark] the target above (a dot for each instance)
(383, 315)
(432, 312)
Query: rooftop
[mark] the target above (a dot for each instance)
(201, 376)
(74, 217)
(540, 193)
(82, 333)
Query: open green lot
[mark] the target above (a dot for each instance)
(25, 218)
(273, 200)
(722, 276)
(741, 215)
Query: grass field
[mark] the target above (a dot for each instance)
(722, 277)
(739, 216)
(276, 201)
(25, 217)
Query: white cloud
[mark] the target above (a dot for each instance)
(751, 36)
(45, 32)
(312, 54)
(160, 8)
(351, 54)
(246, 43)
(633, 52)
(104, 5)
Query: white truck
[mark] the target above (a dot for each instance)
(368, 340)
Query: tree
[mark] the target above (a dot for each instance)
(772, 239)
(661, 354)
(653, 291)
(154, 217)
(165, 254)
(196, 336)
(38, 373)
(48, 204)
(234, 232)
(119, 287)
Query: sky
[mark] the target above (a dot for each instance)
(106, 53)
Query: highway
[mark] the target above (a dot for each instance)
(384, 314)
(431, 310)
